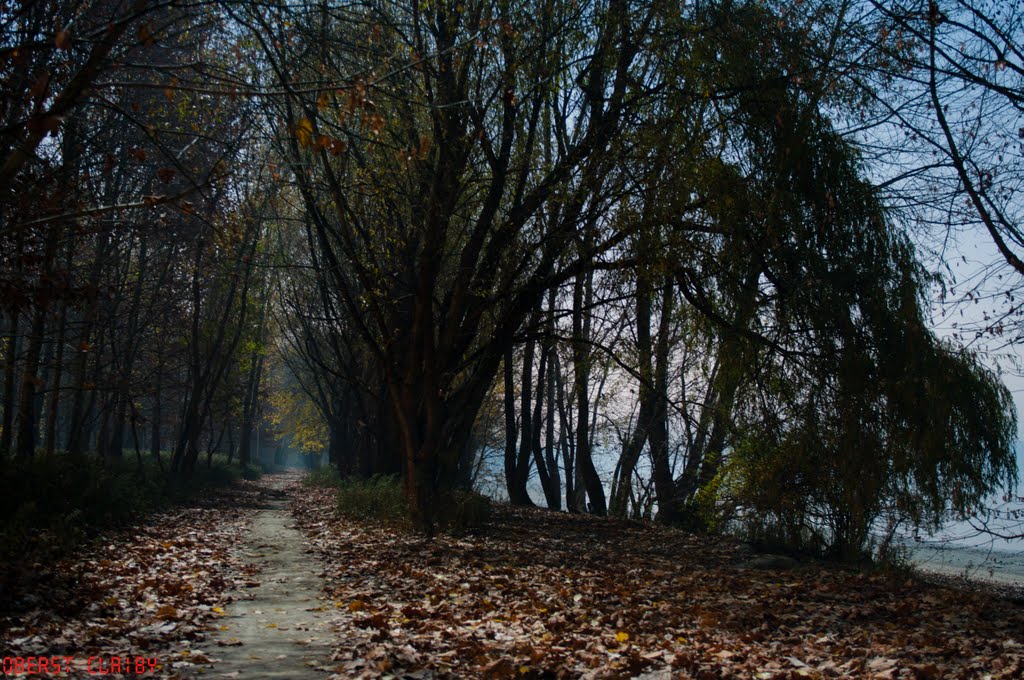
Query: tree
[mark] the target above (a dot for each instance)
(427, 211)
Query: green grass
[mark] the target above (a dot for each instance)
(51, 503)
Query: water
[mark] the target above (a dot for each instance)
(991, 550)
(958, 549)
(987, 564)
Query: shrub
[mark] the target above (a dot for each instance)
(378, 498)
(463, 510)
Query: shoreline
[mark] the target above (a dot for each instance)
(998, 572)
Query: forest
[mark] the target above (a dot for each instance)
(739, 268)
(678, 262)
(513, 239)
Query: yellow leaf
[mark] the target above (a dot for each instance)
(524, 670)
(218, 610)
(225, 628)
(271, 625)
(622, 637)
(356, 606)
(304, 132)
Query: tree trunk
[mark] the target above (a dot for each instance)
(122, 394)
(551, 492)
(514, 483)
(157, 414)
(52, 411)
(525, 423)
(77, 436)
(27, 419)
(583, 292)
(635, 443)
(13, 348)
(28, 408)
(10, 374)
(549, 441)
(249, 410)
(658, 433)
(566, 443)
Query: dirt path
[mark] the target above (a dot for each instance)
(279, 628)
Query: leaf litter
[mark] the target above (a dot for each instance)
(151, 590)
(537, 594)
(532, 594)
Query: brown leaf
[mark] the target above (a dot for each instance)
(63, 40)
(41, 86)
(167, 613)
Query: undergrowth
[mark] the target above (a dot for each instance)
(51, 503)
(381, 499)
(378, 498)
(326, 477)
